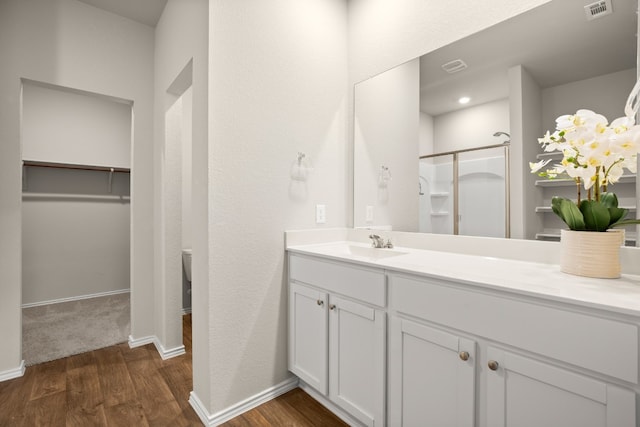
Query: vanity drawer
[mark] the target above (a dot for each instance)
(602, 345)
(367, 285)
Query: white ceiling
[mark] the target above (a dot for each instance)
(554, 42)
(144, 11)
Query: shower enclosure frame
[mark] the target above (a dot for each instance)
(507, 190)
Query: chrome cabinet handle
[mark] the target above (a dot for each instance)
(332, 307)
(464, 355)
(320, 302)
(493, 365)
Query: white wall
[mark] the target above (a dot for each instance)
(525, 100)
(181, 40)
(385, 33)
(75, 230)
(75, 234)
(278, 85)
(71, 44)
(471, 127)
(387, 133)
(605, 95)
(426, 134)
(187, 170)
(66, 126)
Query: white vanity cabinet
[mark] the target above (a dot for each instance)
(528, 362)
(337, 334)
(562, 397)
(431, 376)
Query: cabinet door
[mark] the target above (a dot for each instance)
(308, 335)
(526, 393)
(431, 376)
(357, 359)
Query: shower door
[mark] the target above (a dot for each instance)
(465, 192)
(482, 193)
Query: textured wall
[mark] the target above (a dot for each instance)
(278, 85)
(182, 38)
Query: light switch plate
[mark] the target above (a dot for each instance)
(321, 214)
(369, 216)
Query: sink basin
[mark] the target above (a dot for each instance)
(367, 253)
(372, 253)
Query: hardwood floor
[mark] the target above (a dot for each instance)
(120, 386)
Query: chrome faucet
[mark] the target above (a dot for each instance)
(378, 242)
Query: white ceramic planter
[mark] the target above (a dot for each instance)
(591, 253)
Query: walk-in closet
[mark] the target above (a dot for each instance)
(76, 149)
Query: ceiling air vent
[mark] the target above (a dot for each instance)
(454, 66)
(598, 9)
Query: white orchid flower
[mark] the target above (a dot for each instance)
(535, 167)
(594, 151)
(614, 173)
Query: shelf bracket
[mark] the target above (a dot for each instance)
(110, 179)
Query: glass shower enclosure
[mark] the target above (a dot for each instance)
(465, 192)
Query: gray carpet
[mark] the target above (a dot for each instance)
(54, 331)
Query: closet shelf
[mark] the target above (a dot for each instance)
(72, 197)
(58, 165)
(441, 194)
(439, 213)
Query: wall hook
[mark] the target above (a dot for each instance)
(384, 177)
(301, 167)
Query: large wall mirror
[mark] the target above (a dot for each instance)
(425, 162)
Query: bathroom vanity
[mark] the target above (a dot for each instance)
(415, 337)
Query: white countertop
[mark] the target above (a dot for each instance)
(528, 278)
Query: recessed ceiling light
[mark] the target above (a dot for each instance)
(464, 100)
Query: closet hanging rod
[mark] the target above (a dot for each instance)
(73, 166)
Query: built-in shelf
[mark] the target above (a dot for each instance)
(546, 209)
(554, 236)
(553, 155)
(73, 166)
(624, 179)
(548, 236)
(439, 213)
(440, 194)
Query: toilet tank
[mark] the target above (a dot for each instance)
(186, 263)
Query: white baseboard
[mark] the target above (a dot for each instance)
(76, 298)
(240, 407)
(168, 353)
(12, 373)
(164, 353)
(186, 311)
(324, 401)
(139, 342)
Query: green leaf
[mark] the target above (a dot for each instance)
(568, 212)
(617, 214)
(596, 215)
(626, 222)
(609, 200)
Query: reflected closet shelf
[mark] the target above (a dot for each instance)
(59, 165)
